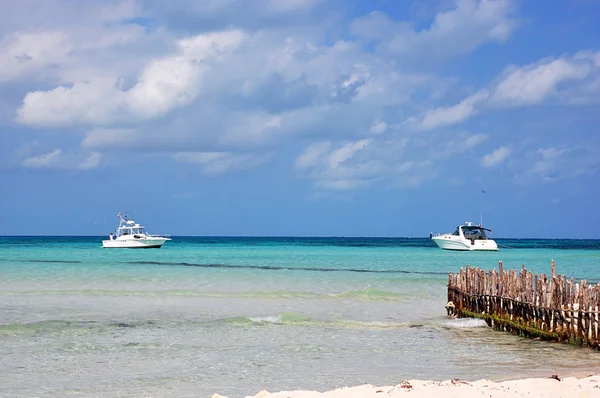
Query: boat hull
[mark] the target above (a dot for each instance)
(149, 243)
(450, 242)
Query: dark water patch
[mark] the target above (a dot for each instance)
(363, 242)
(50, 261)
(280, 268)
(556, 244)
(122, 325)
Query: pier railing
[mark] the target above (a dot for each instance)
(549, 308)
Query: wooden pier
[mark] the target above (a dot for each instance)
(548, 308)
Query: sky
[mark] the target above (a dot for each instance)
(300, 117)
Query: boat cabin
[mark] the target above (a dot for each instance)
(131, 229)
(472, 232)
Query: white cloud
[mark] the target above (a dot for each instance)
(347, 151)
(91, 162)
(357, 164)
(341, 185)
(141, 76)
(49, 159)
(29, 14)
(312, 155)
(451, 115)
(163, 85)
(289, 5)
(457, 31)
(23, 53)
(57, 159)
(532, 84)
(110, 138)
(459, 143)
(97, 102)
(554, 164)
(570, 79)
(335, 169)
(215, 163)
(378, 127)
(279, 84)
(60, 41)
(496, 157)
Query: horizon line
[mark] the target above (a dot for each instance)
(282, 236)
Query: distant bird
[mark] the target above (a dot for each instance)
(482, 191)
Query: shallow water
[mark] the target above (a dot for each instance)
(239, 315)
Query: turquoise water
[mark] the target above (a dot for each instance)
(238, 315)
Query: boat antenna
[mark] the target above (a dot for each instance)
(481, 215)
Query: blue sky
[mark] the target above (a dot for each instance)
(300, 117)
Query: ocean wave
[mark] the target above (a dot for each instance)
(464, 323)
(79, 329)
(294, 319)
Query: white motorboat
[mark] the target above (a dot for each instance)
(467, 237)
(132, 235)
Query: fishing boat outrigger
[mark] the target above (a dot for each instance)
(131, 235)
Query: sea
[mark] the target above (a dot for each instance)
(238, 315)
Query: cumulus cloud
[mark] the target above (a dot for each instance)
(457, 31)
(532, 84)
(496, 157)
(570, 79)
(61, 41)
(218, 85)
(23, 53)
(164, 84)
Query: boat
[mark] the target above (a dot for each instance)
(131, 235)
(467, 237)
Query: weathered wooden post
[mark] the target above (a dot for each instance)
(555, 308)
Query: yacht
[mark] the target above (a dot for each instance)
(132, 235)
(467, 237)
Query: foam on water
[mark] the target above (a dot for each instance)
(464, 323)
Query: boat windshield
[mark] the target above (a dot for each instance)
(474, 233)
(456, 233)
(131, 231)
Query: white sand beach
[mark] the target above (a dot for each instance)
(570, 387)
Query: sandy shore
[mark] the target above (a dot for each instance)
(569, 387)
